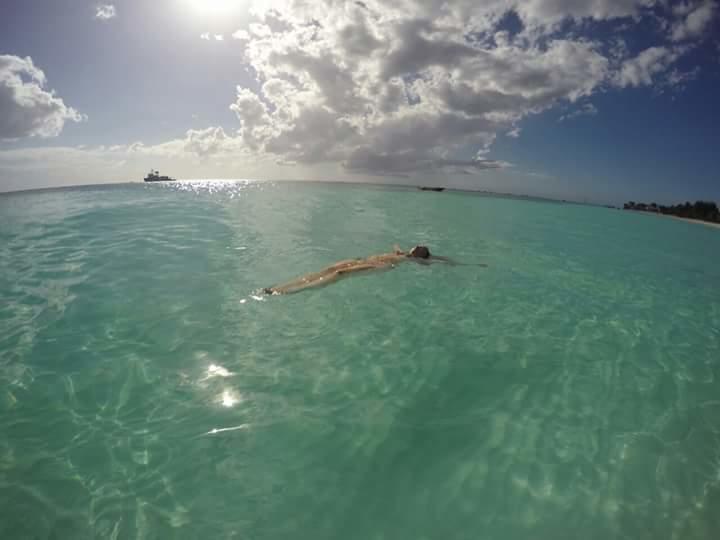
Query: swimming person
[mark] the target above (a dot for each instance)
(385, 261)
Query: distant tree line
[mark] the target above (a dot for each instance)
(701, 210)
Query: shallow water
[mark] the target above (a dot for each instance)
(569, 390)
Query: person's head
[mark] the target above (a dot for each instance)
(420, 252)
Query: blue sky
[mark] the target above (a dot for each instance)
(605, 101)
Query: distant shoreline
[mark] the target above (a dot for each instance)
(678, 218)
(700, 221)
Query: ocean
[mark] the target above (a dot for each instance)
(570, 389)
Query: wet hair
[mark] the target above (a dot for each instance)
(420, 252)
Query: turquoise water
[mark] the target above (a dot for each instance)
(569, 390)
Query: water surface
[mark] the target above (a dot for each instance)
(569, 390)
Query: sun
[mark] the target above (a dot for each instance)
(215, 7)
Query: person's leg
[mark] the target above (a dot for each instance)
(316, 279)
(324, 277)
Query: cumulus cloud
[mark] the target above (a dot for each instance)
(197, 144)
(423, 86)
(27, 108)
(693, 19)
(105, 12)
(395, 90)
(208, 142)
(588, 109)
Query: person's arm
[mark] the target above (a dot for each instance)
(446, 260)
(451, 262)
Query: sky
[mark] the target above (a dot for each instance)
(601, 101)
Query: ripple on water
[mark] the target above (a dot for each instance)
(568, 390)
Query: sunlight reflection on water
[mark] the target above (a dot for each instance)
(229, 398)
(230, 188)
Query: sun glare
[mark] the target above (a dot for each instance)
(214, 7)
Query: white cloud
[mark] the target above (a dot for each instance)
(204, 153)
(677, 80)
(241, 35)
(219, 37)
(644, 68)
(588, 109)
(197, 145)
(618, 48)
(208, 142)
(408, 162)
(549, 14)
(27, 108)
(105, 12)
(425, 84)
(693, 19)
(418, 86)
(371, 86)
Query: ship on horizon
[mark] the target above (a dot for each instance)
(154, 176)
